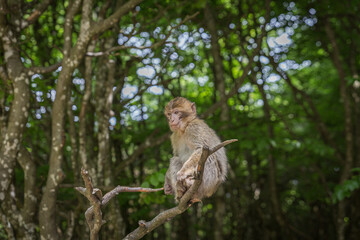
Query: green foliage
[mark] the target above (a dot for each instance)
(272, 119)
(347, 188)
(155, 180)
(3, 234)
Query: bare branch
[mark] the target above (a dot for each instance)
(246, 71)
(95, 221)
(223, 144)
(149, 142)
(93, 214)
(108, 196)
(38, 10)
(42, 70)
(155, 45)
(122, 47)
(114, 18)
(72, 9)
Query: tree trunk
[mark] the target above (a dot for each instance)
(19, 109)
(47, 211)
(219, 75)
(217, 62)
(348, 163)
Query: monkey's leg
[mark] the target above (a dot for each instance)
(170, 186)
(194, 200)
(180, 190)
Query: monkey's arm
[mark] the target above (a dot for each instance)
(167, 186)
(189, 167)
(195, 135)
(170, 177)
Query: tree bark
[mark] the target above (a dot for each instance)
(72, 58)
(47, 211)
(217, 61)
(30, 199)
(84, 109)
(347, 165)
(272, 163)
(19, 109)
(219, 75)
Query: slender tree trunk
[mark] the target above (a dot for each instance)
(217, 61)
(28, 212)
(84, 135)
(47, 212)
(348, 163)
(220, 208)
(103, 97)
(272, 163)
(19, 109)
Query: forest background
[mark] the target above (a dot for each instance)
(84, 84)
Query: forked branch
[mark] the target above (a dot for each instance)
(161, 218)
(93, 214)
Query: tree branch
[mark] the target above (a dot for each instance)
(42, 70)
(113, 19)
(246, 71)
(153, 46)
(161, 218)
(149, 142)
(38, 10)
(93, 214)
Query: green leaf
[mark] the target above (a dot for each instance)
(145, 185)
(154, 180)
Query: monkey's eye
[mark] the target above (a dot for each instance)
(176, 112)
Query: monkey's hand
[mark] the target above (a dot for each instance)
(189, 169)
(186, 173)
(183, 185)
(168, 189)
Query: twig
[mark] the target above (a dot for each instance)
(38, 10)
(93, 214)
(42, 70)
(94, 196)
(154, 45)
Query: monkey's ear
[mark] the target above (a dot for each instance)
(193, 108)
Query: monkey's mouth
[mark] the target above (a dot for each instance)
(174, 125)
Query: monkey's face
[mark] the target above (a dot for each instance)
(175, 119)
(179, 112)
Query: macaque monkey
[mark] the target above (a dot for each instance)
(189, 135)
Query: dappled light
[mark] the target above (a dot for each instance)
(86, 142)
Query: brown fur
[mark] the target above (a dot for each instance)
(190, 134)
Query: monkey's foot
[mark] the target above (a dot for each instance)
(194, 200)
(168, 189)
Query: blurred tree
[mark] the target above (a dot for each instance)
(84, 83)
